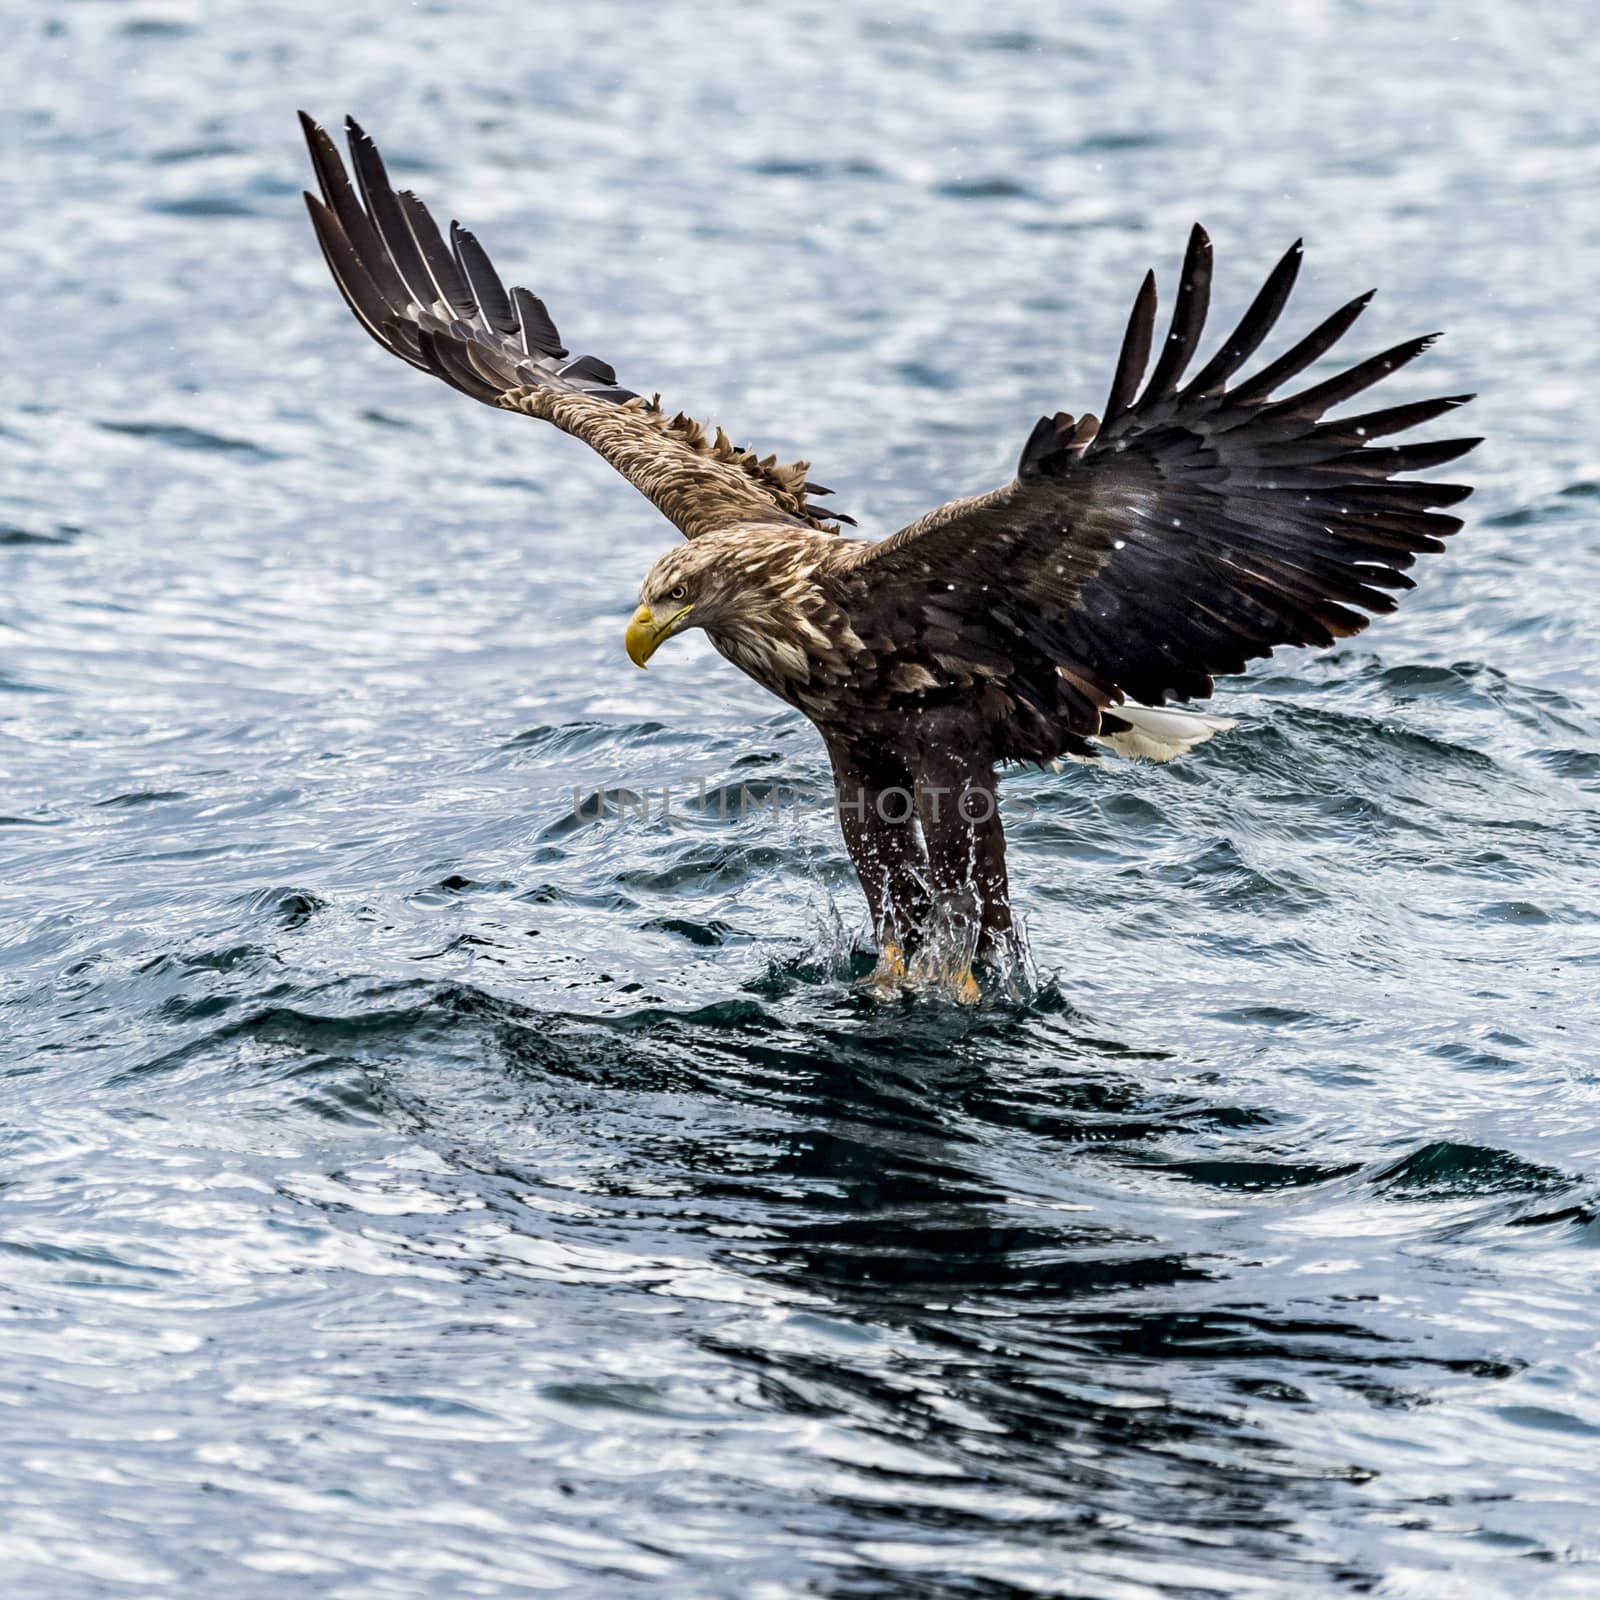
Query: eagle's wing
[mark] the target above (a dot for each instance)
(443, 308)
(1196, 527)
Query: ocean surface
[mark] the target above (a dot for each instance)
(415, 1182)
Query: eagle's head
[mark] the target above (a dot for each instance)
(749, 590)
(684, 589)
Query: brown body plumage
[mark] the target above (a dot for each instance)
(1129, 562)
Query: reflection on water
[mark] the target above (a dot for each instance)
(415, 1185)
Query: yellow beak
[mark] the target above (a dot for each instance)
(645, 633)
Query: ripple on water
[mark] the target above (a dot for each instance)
(1446, 1171)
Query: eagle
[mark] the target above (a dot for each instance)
(1200, 521)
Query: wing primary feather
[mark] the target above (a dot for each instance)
(453, 289)
(387, 217)
(1041, 444)
(539, 336)
(1392, 498)
(1253, 327)
(1393, 419)
(1318, 342)
(590, 367)
(487, 288)
(1135, 351)
(1312, 402)
(340, 198)
(355, 283)
(1188, 318)
(1386, 460)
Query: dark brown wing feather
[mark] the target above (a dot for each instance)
(1197, 528)
(442, 307)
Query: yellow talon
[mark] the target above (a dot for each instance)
(891, 973)
(884, 980)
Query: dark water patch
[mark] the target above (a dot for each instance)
(723, 1015)
(1219, 876)
(920, 375)
(987, 188)
(706, 866)
(179, 1009)
(205, 150)
(1546, 1417)
(1548, 507)
(1338, 738)
(597, 812)
(355, 1103)
(1107, 1111)
(1446, 1171)
(310, 1038)
(577, 736)
(816, 170)
(1520, 517)
(914, 1256)
(199, 206)
(1083, 220)
(142, 797)
(454, 885)
(289, 908)
(1260, 1016)
(470, 944)
(1525, 914)
(1474, 683)
(12, 533)
(183, 437)
(224, 960)
(711, 934)
(1580, 765)
(1474, 1056)
(207, 852)
(85, 1266)
(1023, 41)
(155, 28)
(1254, 1176)
(1115, 140)
(1583, 1216)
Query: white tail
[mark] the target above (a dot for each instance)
(1159, 733)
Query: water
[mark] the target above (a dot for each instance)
(409, 1188)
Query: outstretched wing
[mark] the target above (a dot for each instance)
(1196, 527)
(443, 308)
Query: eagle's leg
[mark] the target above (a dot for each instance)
(877, 815)
(970, 919)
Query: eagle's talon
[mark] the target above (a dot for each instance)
(964, 989)
(948, 974)
(891, 961)
(887, 978)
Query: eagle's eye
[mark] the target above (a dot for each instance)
(678, 592)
